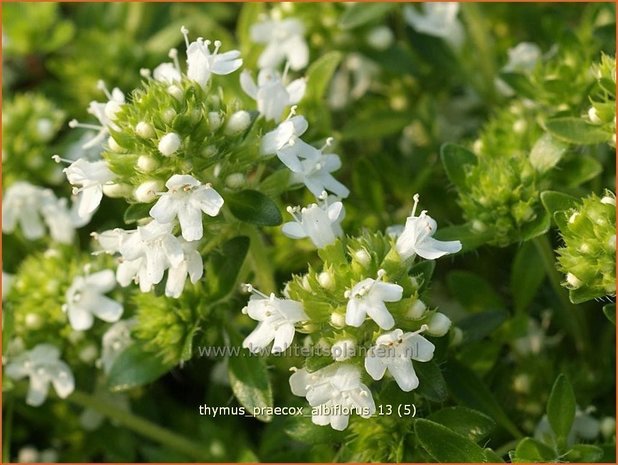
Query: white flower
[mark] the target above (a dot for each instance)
(285, 142)
(284, 39)
(85, 299)
(115, 340)
(394, 352)
(315, 173)
(89, 177)
(191, 266)
(271, 94)
(416, 238)
(146, 253)
(523, 57)
(105, 112)
(437, 19)
(334, 393)
(166, 72)
(186, 198)
(352, 80)
(368, 297)
(31, 207)
(42, 365)
(201, 62)
(59, 219)
(321, 224)
(276, 317)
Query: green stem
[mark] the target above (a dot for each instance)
(569, 314)
(140, 425)
(261, 263)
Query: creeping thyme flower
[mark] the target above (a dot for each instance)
(285, 142)
(276, 317)
(43, 366)
(437, 19)
(202, 63)
(30, 206)
(186, 198)
(368, 297)
(335, 392)
(271, 94)
(321, 224)
(85, 300)
(416, 237)
(588, 257)
(315, 172)
(89, 177)
(394, 352)
(284, 39)
(105, 112)
(190, 266)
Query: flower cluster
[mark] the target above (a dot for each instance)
(364, 306)
(602, 112)
(588, 257)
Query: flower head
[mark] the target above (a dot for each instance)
(334, 392)
(276, 317)
(202, 62)
(367, 298)
(186, 198)
(416, 238)
(85, 299)
(43, 366)
(315, 172)
(394, 352)
(271, 94)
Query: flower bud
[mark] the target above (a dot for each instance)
(116, 191)
(45, 129)
(326, 280)
(439, 324)
(214, 120)
(573, 281)
(593, 115)
(144, 130)
(89, 353)
(33, 321)
(235, 180)
(337, 320)
(343, 350)
(114, 146)
(363, 257)
(608, 427)
(238, 122)
(176, 92)
(169, 144)
(169, 115)
(146, 192)
(380, 38)
(417, 310)
(146, 164)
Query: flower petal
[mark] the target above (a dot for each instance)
(106, 309)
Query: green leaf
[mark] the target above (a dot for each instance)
(527, 275)
(576, 170)
(561, 408)
(135, 367)
(530, 450)
(586, 453)
(539, 226)
(467, 422)
(557, 201)
(223, 267)
(137, 211)
(254, 207)
(584, 294)
(375, 125)
(444, 445)
(479, 325)
(610, 312)
(361, 13)
(468, 389)
(424, 271)
(473, 292)
(576, 131)
(248, 16)
(319, 75)
(187, 347)
(469, 238)
(520, 84)
(546, 153)
(455, 158)
(276, 183)
(432, 385)
(250, 381)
